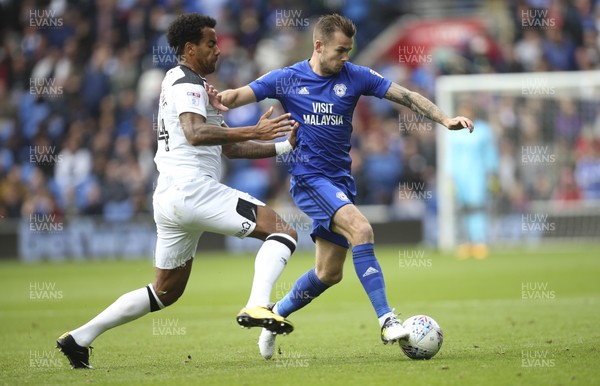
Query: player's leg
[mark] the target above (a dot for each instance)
(320, 199)
(477, 219)
(224, 210)
(477, 228)
(472, 198)
(352, 224)
(175, 249)
(462, 202)
(328, 270)
(280, 240)
(166, 289)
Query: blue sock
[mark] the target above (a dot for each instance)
(369, 273)
(306, 288)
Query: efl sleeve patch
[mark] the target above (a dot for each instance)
(190, 98)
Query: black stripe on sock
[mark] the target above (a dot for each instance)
(153, 303)
(283, 240)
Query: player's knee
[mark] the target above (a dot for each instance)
(362, 233)
(329, 277)
(292, 233)
(283, 227)
(289, 239)
(168, 296)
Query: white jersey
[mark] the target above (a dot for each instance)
(183, 91)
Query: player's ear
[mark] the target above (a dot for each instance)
(188, 49)
(318, 46)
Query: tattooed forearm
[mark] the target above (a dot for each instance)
(249, 150)
(416, 102)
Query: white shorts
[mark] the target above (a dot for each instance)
(185, 208)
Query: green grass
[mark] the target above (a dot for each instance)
(491, 332)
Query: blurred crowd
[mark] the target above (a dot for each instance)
(79, 82)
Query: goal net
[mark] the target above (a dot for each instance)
(532, 173)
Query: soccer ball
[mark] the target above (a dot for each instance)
(425, 339)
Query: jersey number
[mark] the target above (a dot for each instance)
(163, 134)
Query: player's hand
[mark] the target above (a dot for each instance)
(459, 123)
(214, 99)
(267, 129)
(226, 97)
(292, 135)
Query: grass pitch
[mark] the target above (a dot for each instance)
(521, 317)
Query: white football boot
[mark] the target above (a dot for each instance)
(266, 343)
(392, 330)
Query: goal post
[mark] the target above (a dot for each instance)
(543, 124)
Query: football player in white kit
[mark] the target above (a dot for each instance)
(189, 199)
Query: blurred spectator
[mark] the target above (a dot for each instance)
(528, 50)
(118, 205)
(382, 167)
(74, 162)
(559, 51)
(587, 170)
(12, 193)
(568, 123)
(567, 189)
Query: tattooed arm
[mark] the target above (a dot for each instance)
(255, 149)
(249, 150)
(421, 105)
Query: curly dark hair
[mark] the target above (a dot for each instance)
(188, 28)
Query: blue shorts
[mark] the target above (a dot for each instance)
(320, 197)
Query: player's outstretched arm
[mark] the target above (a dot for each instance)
(421, 105)
(254, 149)
(198, 133)
(237, 97)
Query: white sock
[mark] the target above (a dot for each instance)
(270, 261)
(128, 307)
(383, 318)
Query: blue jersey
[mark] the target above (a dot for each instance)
(324, 106)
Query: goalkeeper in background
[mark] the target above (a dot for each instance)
(472, 160)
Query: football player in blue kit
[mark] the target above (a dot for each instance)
(321, 93)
